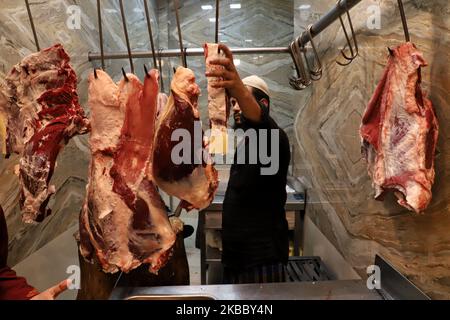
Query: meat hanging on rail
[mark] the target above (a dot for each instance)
(400, 131)
(124, 222)
(41, 113)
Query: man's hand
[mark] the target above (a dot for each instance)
(231, 81)
(54, 292)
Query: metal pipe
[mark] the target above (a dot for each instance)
(30, 16)
(190, 52)
(150, 33)
(327, 20)
(127, 39)
(100, 30)
(404, 23)
(217, 20)
(180, 38)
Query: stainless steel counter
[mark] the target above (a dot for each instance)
(323, 290)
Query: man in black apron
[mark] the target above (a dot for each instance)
(254, 228)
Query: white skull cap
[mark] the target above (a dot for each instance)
(258, 83)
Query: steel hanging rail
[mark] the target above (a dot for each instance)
(316, 28)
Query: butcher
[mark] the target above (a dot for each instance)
(13, 287)
(254, 228)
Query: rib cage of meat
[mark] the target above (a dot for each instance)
(40, 104)
(196, 182)
(217, 104)
(400, 131)
(124, 222)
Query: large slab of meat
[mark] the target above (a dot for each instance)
(400, 131)
(194, 181)
(217, 104)
(124, 222)
(42, 113)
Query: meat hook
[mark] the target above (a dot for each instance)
(127, 39)
(33, 28)
(353, 52)
(217, 20)
(150, 33)
(180, 37)
(404, 22)
(160, 69)
(301, 81)
(100, 31)
(95, 73)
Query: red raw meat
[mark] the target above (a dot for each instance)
(400, 132)
(43, 114)
(196, 182)
(124, 222)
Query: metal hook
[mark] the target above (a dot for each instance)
(300, 82)
(95, 73)
(185, 57)
(160, 69)
(100, 31)
(217, 20)
(33, 28)
(404, 22)
(354, 53)
(150, 33)
(127, 39)
(315, 74)
(306, 78)
(146, 71)
(125, 75)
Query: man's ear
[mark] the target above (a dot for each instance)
(265, 102)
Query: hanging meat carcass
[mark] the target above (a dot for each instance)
(400, 131)
(124, 222)
(217, 104)
(195, 180)
(42, 113)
